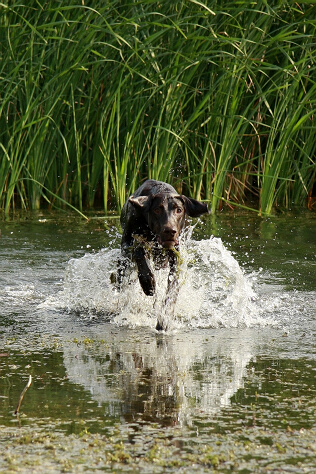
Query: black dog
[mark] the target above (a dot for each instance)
(152, 220)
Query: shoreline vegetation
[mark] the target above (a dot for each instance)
(217, 98)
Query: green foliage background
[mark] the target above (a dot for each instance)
(216, 97)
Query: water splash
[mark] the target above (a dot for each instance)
(214, 290)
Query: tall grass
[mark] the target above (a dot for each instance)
(217, 98)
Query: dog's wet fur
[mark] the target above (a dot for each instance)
(152, 220)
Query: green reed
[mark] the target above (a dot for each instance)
(217, 98)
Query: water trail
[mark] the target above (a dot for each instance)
(214, 291)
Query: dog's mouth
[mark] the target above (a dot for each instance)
(168, 244)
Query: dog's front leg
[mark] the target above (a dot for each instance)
(123, 263)
(145, 275)
(172, 292)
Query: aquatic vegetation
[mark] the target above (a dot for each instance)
(158, 451)
(216, 98)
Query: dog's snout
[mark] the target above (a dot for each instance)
(169, 237)
(169, 231)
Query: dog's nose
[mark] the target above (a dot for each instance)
(169, 231)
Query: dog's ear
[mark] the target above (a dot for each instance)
(193, 207)
(140, 202)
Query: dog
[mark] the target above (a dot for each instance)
(152, 220)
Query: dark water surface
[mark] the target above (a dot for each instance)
(231, 386)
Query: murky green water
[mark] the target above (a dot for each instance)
(231, 387)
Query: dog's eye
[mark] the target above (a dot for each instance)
(179, 210)
(158, 210)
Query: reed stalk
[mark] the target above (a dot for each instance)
(218, 98)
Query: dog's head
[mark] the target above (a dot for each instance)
(165, 214)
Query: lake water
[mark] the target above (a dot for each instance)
(230, 387)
